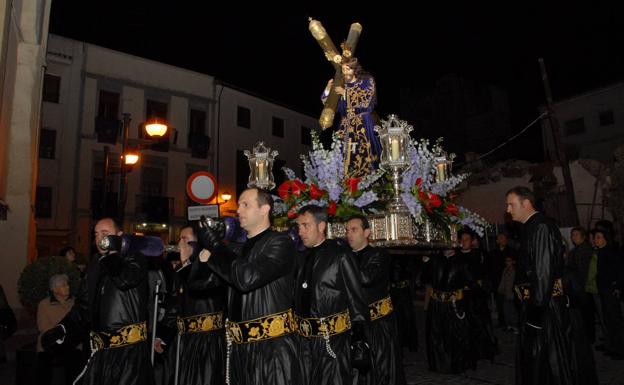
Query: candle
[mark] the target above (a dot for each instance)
(441, 167)
(261, 171)
(394, 153)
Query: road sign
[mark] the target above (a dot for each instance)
(195, 212)
(201, 187)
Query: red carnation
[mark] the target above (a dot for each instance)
(298, 187)
(452, 209)
(331, 209)
(292, 213)
(315, 192)
(284, 190)
(352, 184)
(435, 200)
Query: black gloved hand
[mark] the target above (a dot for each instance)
(210, 237)
(360, 350)
(49, 339)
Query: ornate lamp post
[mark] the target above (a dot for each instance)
(261, 166)
(395, 139)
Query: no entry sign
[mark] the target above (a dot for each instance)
(201, 187)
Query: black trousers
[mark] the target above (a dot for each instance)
(68, 361)
(588, 312)
(614, 322)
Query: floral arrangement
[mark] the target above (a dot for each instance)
(429, 199)
(325, 185)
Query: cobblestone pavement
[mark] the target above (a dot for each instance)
(499, 372)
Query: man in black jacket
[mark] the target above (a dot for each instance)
(552, 346)
(260, 329)
(329, 302)
(374, 269)
(195, 314)
(113, 306)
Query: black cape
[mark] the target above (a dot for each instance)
(114, 294)
(552, 347)
(260, 278)
(401, 281)
(196, 290)
(447, 326)
(374, 267)
(328, 282)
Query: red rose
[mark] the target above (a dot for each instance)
(418, 182)
(284, 190)
(315, 192)
(352, 184)
(331, 209)
(452, 209)
(298, 187)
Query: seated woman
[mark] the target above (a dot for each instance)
(50, 312)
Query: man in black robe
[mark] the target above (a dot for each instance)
(329, 303)
(195, 317)
(382, 335)
(113, 306)
(401, 282)
(552, 347)
(447, 326)
(477, 298)
(260, 329)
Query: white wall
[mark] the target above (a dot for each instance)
(24, 38)
(488, 200)
(234, 138)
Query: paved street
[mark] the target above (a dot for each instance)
(500, 372)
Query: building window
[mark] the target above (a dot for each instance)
(606, 118)
(278, 127)
(306, 136)
(575, 126)
(244, 117)
(197, 125)
(108, 107)
(51, 88)
(152, 181)
(47, 143)
(43, 202)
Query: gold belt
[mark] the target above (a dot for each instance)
(200, 323)
(264, 328)
(400, 284)
(124, 336)
(324, 326)
(447, 296)
(523, 290)
(380, 308)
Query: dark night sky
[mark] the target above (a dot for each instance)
(269, 50)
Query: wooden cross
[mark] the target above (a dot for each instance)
(335, 58)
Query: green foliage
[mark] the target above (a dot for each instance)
(32, 285)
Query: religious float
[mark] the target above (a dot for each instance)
(408, 199)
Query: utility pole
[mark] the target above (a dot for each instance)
(105, 181)
(123, 176)
(559, 148)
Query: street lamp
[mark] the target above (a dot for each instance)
(225, 197)
(153, 129)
